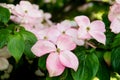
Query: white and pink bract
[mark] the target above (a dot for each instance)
(89, 30)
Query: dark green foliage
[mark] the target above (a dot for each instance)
(4, 15)
(29, 40)
(115, 59)
(88, 67)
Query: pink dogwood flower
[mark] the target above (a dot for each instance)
(114, 12)
(68, 27)
(50, 34)
(89, 30)
(114, 17)
(64, 26)
(60, 54)
(26, 14)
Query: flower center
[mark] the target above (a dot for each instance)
(26, 11)
(88, 28)
(58, 50)
(63, 32)
(33, 26)
(45, 38)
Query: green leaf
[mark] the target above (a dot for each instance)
(16, 46)
(4, 33)
(11, 26)
(88, 67)
(107, 58)
(27, 50)
(52, 78)
(64, 76)
(109, 39)
(115, 59)
(42, 62)
(4, 14)
(103, 72)
(116, 41)
(28, 36)
(69, 77)
(30, 40)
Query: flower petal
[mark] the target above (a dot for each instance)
(99, 36)
(79, 42)
(68, 59)
(82, 21)
(63, 26)
(97, 26)
(83, 34)
(42, 33)
(115, 26)
(4, 52)
(3, 63)
(54, 66)
(114, 12)
(65, 42)
(43, 47)
(118, 1)
(73, 33)
(53, 34)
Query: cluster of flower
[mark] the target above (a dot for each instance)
(29, 16)
(57, 39)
